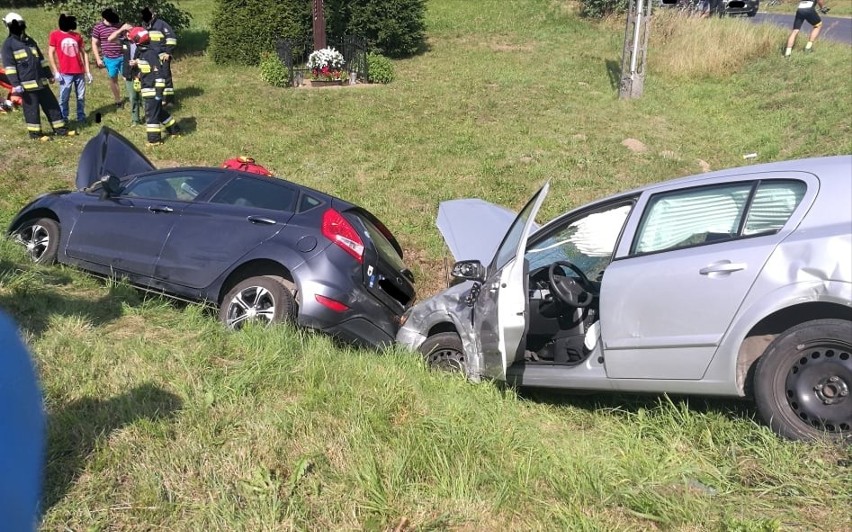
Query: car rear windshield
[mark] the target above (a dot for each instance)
(383, 245)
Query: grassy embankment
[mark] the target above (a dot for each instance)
(160, 419)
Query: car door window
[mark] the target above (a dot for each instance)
(260, 193)
(773, 204)
(588, 242)
(704, 215)
(182, 186)
(695, 216)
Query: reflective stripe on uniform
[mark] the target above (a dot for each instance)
(19, 54)
(144, 66)
(11, 70)
(29, 84)
(148, 93)
(156, 36)
(160, 83)
(170, 122)
(169, 91)
(152, 128)
(58, 124)
(34, 127)
(171, 41)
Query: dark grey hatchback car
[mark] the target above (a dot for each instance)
(259, 248)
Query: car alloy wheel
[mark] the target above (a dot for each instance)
(262, 299)
(41, 240)
(803, 381)
(445, 352)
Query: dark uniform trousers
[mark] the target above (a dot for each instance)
(45, 99)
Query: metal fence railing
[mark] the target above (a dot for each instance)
(294, 54)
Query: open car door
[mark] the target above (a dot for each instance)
(500, 315)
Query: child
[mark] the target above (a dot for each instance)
(70, 65)
(129, 72)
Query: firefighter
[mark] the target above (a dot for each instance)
(29, 74)
(163, 41)
(150, 68)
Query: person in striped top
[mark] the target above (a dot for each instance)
(108, 54)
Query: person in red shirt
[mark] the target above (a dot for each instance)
(70, 65)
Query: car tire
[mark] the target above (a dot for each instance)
(263, 298)
(41, 238)
(445, 352)
(751, 13)
(802, 382)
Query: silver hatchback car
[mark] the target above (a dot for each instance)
(731, 283)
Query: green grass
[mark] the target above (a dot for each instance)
(161, 419)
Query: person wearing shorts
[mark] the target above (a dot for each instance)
(806, 12)
(108, 54)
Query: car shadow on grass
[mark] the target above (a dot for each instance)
(33, 297)
(732, 408)
(76, 428)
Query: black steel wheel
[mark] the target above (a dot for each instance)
(262, 299)
(41, 238)
(803, 380)
(444, 351)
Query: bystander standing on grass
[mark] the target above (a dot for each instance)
(108, 54)
(70, 64)
(806, 12)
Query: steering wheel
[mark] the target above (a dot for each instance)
(574, 291)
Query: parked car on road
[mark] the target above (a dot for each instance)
(748, 8)
(731, 283)
(259, 248)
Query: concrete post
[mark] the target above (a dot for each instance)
(634, 54)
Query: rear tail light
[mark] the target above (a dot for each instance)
(333, 304)
(337, 229)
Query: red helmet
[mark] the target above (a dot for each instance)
(139, 35)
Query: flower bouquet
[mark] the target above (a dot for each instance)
(327, 65)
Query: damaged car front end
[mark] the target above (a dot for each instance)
(732, 283)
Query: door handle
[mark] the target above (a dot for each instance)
(723, 266)
(261, 220)
(160, 208)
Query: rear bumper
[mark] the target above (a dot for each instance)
(367, 322)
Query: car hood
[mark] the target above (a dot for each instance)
(109, 153)
(473, 228)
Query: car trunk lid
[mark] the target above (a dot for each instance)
(109, 153)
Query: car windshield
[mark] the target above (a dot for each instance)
(588, 242)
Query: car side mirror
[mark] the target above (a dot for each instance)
(110, 186)
(469, 270)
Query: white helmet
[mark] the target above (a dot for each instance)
(11, 17)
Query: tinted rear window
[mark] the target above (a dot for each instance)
(384, 247)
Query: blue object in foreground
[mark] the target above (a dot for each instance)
(21, 433)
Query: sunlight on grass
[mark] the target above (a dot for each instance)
(162, 419)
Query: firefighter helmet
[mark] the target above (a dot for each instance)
(139, 35)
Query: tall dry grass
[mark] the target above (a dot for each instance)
(691, 47)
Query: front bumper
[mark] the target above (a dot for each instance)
(741, 7)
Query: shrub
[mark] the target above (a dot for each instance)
(243, 30)
(602, 8)
(88, 12)
(380, 68)
(394, 28)
(273, 71)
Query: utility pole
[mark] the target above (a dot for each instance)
(634, 56)
(319, 25)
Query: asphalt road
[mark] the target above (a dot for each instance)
(834, 28)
